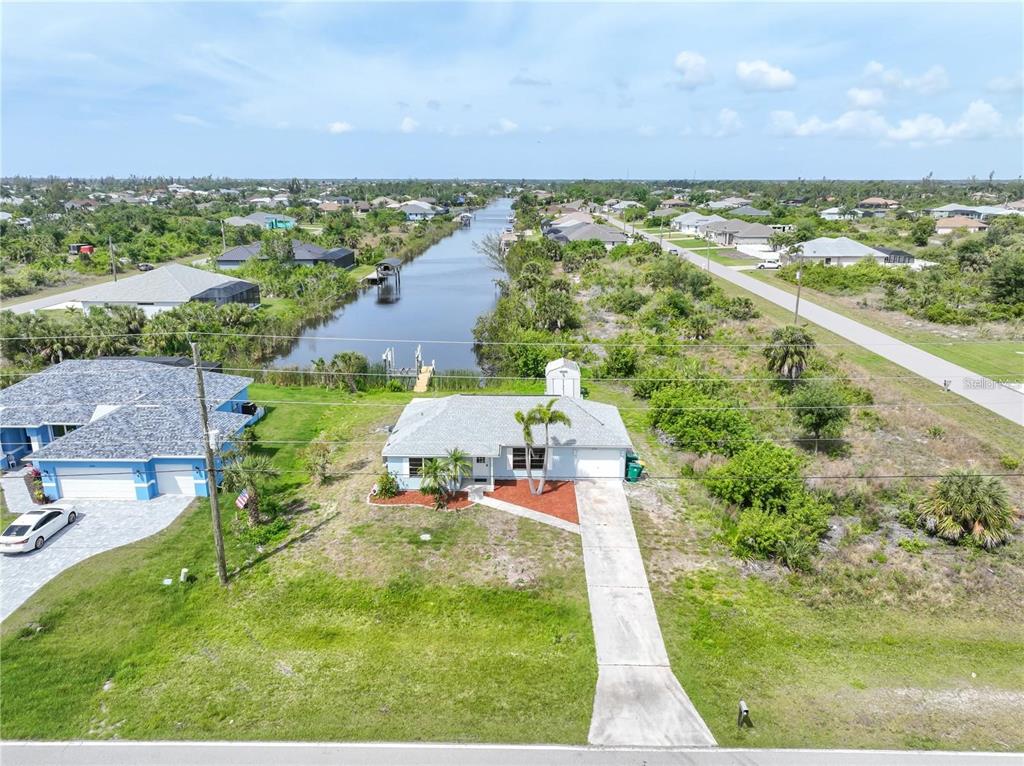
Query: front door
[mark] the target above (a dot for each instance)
(481, 470)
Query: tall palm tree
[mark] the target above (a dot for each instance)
(546, 415)
(250, 472)
(788, 351)
(963, 502)
(457, 464)
(525, 419)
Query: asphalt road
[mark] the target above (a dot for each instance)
(421, 754)
(992, 395)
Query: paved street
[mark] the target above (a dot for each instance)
(101, 526)
(420, 754)
(639, 700)
(993, 396)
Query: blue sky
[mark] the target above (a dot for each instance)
(667, 90)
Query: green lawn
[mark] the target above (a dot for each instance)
(853, 676)
(688, 242)
(1004, 360)
(319, 641)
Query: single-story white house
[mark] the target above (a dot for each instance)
(837, 251)
(728, 203)
(688, 223)
(837, 214)
(164, 288)
(736, 232)
(595, 445)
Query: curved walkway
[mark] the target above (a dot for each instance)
(639, 701)
(1003, 400)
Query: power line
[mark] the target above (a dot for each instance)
(680, 477)
(681, 408)
(482, 376)
(553, 342)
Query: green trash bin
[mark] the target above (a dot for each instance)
(634, 470)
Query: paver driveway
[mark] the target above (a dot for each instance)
(101, 526)
(639, 700)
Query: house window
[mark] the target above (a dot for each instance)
(481, 460)
(415, 466)
(519, 458)
(61, 430)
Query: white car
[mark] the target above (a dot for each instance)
(31, 530)
(769, 265)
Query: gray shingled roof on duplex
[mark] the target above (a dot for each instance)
(482, 425)
(141, 432)
(69, 392)
(167, 284)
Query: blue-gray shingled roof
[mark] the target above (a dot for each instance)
(70, 392)
(141, 432)
(482, 425)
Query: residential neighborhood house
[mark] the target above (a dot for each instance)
(119, 428)
(263, 220)
(954, 222)
(164, 288)
(593, 446)
(305, 254)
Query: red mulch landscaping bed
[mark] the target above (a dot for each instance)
(558, 500)
(410, 497)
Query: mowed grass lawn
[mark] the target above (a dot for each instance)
(687, 242)
(850, 676)
(294, 649)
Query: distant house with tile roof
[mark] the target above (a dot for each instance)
(954, 222)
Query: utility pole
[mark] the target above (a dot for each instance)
(113, 261)
(223, 239)
(211, 470)
(799, 283)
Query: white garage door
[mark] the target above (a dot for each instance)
(97, 481)
(598, 464)
(175, 479)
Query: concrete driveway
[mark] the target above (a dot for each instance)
(101, 526)
(639, 701)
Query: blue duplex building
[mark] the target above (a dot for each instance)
(119, 428)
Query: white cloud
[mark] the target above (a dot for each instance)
(503, 126)
(191, 119)
(339, 127)
(760, 75)
(693, 70)
(980, 120)
(729, 123)
(408, 125)
(865, 98)
(1007, 83)
(932, 81)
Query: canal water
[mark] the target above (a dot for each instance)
(443, 292)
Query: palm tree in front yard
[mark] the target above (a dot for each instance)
(434, 478)
(250, 472)
(546, 415)
(525, 419)
(457, 465)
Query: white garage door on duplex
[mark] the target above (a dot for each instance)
(96, 481)
(175, 479)
(598, 464)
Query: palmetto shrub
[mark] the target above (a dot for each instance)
(965, 506)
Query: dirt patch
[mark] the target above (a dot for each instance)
(558, 498)
(456, 501)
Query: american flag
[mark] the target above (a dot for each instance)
(243, 498)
